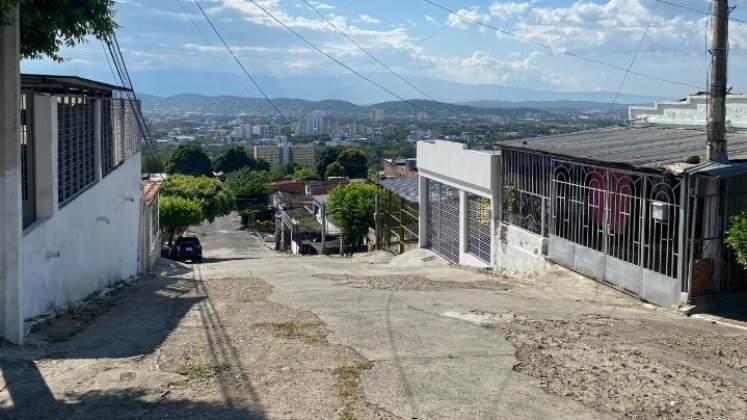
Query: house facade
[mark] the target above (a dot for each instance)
(637, 207)
(78, 193)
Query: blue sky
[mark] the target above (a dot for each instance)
(417, 38)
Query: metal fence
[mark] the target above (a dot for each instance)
(526, 183)
(398, 221)
(630, 216)
(120, 134)
(442, 220)
(76, 148)
(478, 226)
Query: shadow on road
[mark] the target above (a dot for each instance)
(136, 326)
(730, 306)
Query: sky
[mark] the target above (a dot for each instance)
(418, 39)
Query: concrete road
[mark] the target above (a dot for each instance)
(254, 334)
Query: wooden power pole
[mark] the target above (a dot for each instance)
(716, 143)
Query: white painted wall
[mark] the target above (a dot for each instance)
(690, 112)
(522, 253)
(88, 244)
(453, 164)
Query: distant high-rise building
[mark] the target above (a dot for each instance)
(376, 114)
(283, 153)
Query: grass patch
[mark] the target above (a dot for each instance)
(307, 331)
(348, 377)
(347, 413)
(203, 371)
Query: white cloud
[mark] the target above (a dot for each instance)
(322, 6)
(430, 19)
(464, 17)
(504, 10)
(364, 18)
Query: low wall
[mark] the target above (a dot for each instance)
(88, 244)
(520, 253)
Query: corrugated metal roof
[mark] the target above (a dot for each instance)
(636, 147)
(407, 188)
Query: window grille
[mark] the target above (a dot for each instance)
(120, 132)
(442, 220)
(28, 162)
(76, 155)
(526, 190)
(478, 225)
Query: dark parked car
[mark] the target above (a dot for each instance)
(186, 248)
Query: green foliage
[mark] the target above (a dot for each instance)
(335, 169)
(214, 199)
(736, 237)
(327, 155)
(46, 26)
(249, 187)
(283, 171)
(305, 175)
(262, 165)
(233, 159)
(152, 165)
(189, 159)
(351, 207)
(177, 213)
(355, 163)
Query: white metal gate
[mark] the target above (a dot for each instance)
(478, 227)
(619, 226)
(442, 220)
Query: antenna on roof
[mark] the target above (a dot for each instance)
(716, 143)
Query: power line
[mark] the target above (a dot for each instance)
(556, 50)
(695, 9)
(340, 63)
(259, 88)
(373, 57)
(632, 61)
(207, 40)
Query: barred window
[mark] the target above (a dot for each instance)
(479, 237)
(120, 133)
(108, 162)
(28, 180)
(76, 163)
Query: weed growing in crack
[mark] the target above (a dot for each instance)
(203, 371)
(307, 331)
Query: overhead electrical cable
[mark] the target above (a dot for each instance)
(340, 63)
(211, 45)
(694, 9)
(556, 50)
(632, 60)
(241, 65)
(381, 63)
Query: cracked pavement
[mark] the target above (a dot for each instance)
(445, 342)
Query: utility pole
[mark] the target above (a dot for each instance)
(716, 143)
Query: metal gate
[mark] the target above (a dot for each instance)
(442, 220)
(478, 226)
(618, 226)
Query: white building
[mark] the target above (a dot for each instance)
(691, 111)
(70, 194)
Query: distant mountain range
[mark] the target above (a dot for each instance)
(352, 89)
(234, 105)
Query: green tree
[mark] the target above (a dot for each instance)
(355, 163)
(249, 187)
(176, 214)
(736, 237)
(46, 26)
(152, 165)
(233, 159)
(214, 198)
(305, 175)
(351, 208)
(262, 165)
(335, 169)
(189, 159)
(327, 155)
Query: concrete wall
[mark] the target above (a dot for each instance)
(89, 243)
(522, 252)
(691, 112)
(11, 321)
(452, 163)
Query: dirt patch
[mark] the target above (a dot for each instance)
(635, 369)
(405, 282)
(238, 347)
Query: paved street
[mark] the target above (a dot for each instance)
(254, 334)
